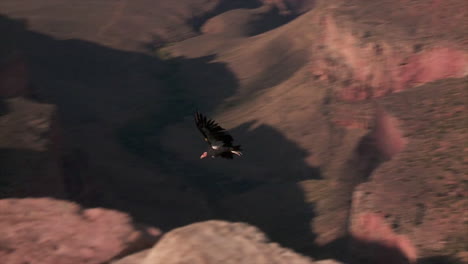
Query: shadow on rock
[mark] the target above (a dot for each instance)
(271, 198)
(279, 210)
(29, 173)
(268, 158)
(368, 252)
(3, 107)
(269, 21)
(442, 260)
(353, 250)
(260, 188)
(99, 90)
(199, 83)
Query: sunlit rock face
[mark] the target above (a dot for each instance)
(44, 230)
(220, 242)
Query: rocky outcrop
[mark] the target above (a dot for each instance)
(216, 242)
(370, 54)
(374, 241)
(136, 258)
(48, 231)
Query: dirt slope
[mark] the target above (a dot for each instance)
(420, 194)
(122, 24)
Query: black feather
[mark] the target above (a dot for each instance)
(213, 133)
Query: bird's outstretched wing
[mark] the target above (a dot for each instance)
(213, 133)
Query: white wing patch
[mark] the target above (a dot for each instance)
(238, 153)
(215, 147)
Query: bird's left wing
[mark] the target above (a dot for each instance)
(213, 133)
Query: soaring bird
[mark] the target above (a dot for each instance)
(218, 139)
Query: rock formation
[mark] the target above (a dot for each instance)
(220, 242)
(49, 231)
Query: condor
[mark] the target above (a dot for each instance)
(218, 139)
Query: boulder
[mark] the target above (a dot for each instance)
(50, 231)
(220, 242)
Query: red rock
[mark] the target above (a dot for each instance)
(374, 239)
(388, 136)
(431, 65)
(48, 231)
(136, 258)
(417, 196)
(374, 60)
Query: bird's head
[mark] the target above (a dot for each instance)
(204, 155)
